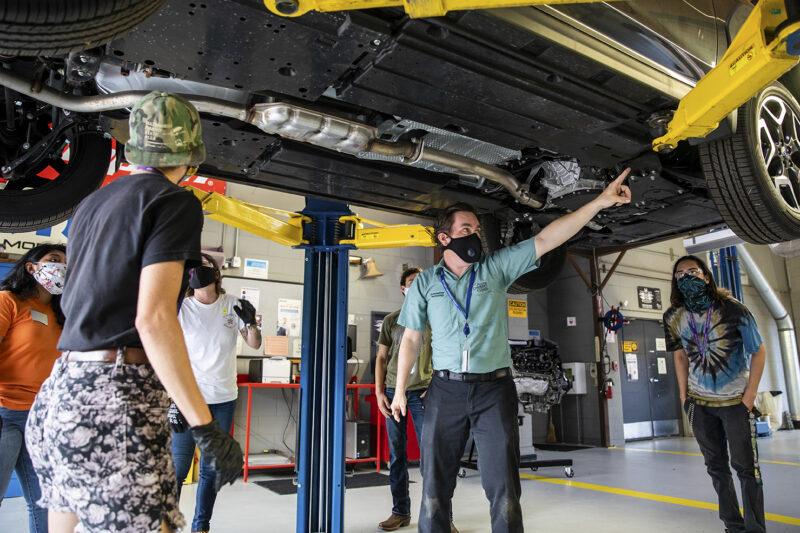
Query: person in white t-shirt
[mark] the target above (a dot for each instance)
(211, 321)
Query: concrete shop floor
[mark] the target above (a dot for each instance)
(650, 486)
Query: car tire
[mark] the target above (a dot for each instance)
(56, 27)
(549, 268)
(753, 176)
(46, 205)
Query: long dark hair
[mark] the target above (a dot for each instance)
(717, 293)
(22, 284)
(217, 279)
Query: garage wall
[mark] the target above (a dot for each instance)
(270, 411)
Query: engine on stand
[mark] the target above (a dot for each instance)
(538, 376)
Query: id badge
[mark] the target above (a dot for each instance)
(39, 317)
(465, 357)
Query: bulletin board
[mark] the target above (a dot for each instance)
(269, 293)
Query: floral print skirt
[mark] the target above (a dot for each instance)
(99, 440)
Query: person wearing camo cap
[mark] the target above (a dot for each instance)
(98, 433)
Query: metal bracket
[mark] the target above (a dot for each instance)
(413, 8)
(384, 236)
(765, 48)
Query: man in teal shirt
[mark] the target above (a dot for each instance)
(464, 300)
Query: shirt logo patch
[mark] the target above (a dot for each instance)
(229, 320)
(481, 287)
(437, 294)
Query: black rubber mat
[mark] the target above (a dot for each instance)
(359, 481)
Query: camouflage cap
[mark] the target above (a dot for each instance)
(165, 132)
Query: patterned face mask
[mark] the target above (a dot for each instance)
(695, 293)
(51, 276)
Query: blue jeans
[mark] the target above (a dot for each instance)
(183, 453)
(398, 455)
(14, 456)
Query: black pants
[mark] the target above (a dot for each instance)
(718, 429)
(489, 410)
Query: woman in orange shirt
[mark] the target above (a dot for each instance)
(30, 324)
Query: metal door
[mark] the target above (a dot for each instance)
(650, 406)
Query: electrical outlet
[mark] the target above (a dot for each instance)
(236, 262)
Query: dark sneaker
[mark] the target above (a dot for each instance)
(395, 521)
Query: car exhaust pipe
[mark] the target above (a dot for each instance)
(291, 122)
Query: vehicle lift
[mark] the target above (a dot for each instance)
(327, 231)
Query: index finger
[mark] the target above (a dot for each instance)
(622, 176)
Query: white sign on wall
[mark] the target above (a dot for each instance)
(632, 366)
(256, 268)
(290, 316)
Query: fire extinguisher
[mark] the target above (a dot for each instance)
(608, 388)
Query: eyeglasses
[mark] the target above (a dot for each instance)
(696, 272)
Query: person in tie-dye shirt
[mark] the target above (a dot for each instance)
(719, 359)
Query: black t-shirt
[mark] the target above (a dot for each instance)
(137, 220)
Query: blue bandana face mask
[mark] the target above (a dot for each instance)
(695, 293)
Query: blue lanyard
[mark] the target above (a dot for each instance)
(453, 299)
(701, 347)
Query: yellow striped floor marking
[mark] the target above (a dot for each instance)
(760, 460)
(654, 497)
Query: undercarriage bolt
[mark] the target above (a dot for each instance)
(26, 146)
(287, 7)
(665, 148)
(5, 170)
(376, 42)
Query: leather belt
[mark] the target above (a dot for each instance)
(467, 377)
(133, 356)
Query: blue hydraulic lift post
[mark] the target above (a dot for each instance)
(725, 267)
(321, 461)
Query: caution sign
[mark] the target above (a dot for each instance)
(630, 346)
(518, 308)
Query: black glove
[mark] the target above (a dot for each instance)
(176, 420)
(247, 313)
(220, 451)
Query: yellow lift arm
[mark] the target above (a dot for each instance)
(383, 236)
(253, 219)
(756, 57)
(413, 8)
(261, 221)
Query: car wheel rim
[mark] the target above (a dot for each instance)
(779, 139)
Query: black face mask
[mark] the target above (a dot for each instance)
(468, 248)
(202, 276)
